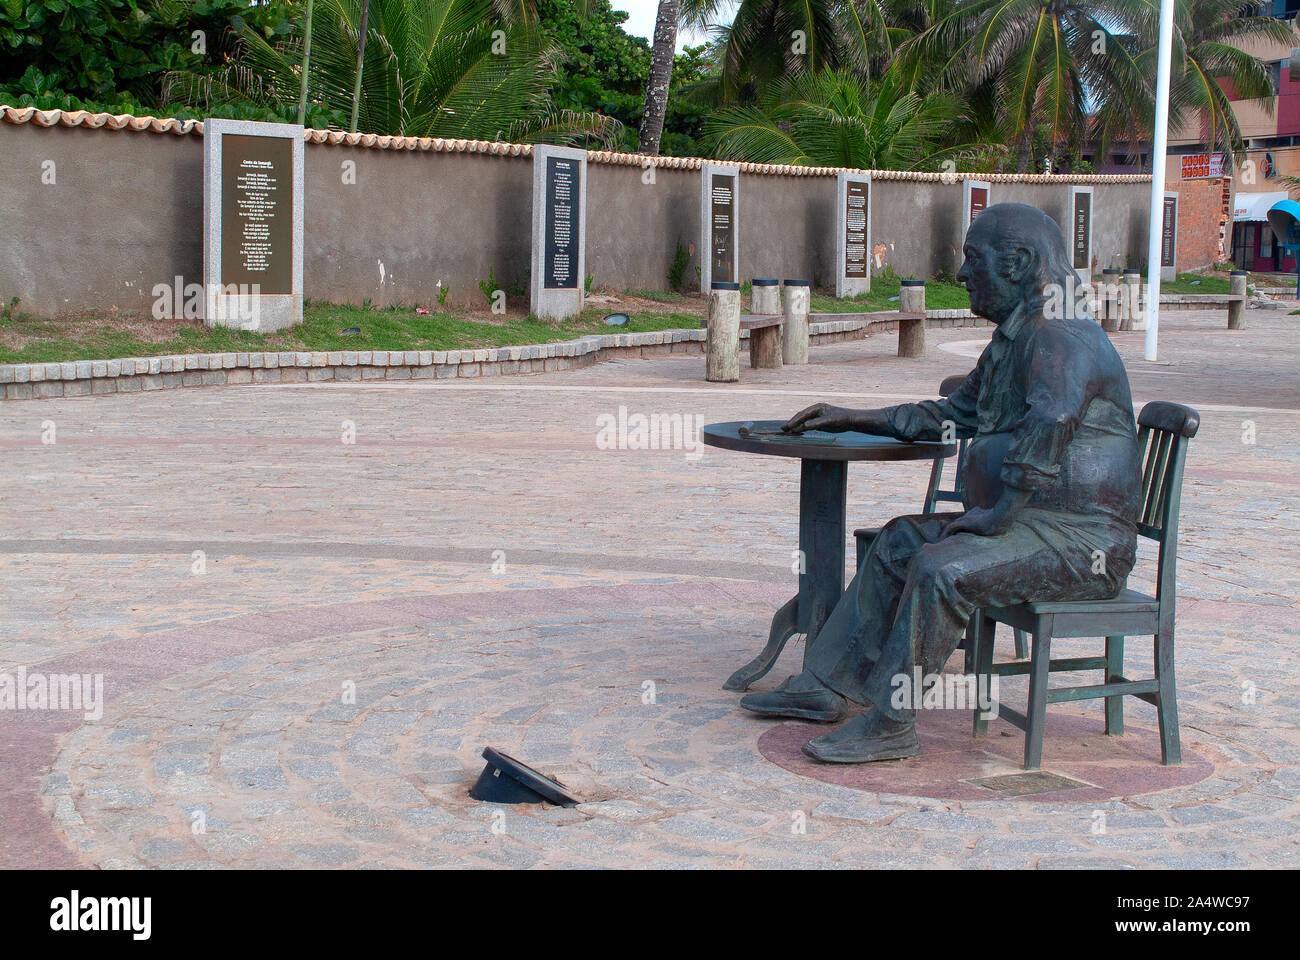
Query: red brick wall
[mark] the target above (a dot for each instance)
(1204, 221)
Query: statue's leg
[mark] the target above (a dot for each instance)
(1037, 559)
(851, 639)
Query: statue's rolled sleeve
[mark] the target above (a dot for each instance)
(1057, 393)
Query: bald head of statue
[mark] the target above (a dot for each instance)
(1013, 256)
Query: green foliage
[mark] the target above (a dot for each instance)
(994, 84)
(113, 54)
(677, 269)
(836, 119)
(489, 286)
(474, 69)
(602, 69)
(443, 291)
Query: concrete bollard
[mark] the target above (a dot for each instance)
(722, 346)
(794, 337)
(765, 343)
(1138, 313)
(1108, 300)
(1130, 317)
(911, 333)
(765, 296)
(1237, 308)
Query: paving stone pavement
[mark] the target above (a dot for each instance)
(314, 685)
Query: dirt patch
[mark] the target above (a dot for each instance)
(18, 333)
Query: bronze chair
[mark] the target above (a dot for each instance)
(1165, 430)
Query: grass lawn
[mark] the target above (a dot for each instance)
(26, 339)
(939, 295)
(1195, 283)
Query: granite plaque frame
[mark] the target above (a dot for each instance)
(976, 195)
(852, 234)
(252, 224)
(1169, 237)
(1078, 232)
(558, 279)
(719, 225)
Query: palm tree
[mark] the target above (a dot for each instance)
(661, 75)
(1048, 59)
(1208, 37)
(835, 118)
(306, 63)
(771, 40)
(474, 69)
(361, 63)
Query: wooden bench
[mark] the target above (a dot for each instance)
(764, 339)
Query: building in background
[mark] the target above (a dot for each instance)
(1272, 139)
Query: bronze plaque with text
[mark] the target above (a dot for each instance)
(1168, 230)
(722, 205)
(257, 212)
(855, 229)
(1082, 233)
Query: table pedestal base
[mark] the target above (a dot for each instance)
(823, 490)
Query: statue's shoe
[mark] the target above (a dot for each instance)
(865, 739)
(821, 705)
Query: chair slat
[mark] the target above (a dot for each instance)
(1159, 470)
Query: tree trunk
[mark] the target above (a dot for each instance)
(1025, 150)
(306, 63)
(661, 74)
(361, 59)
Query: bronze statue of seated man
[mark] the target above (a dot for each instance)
(1052, 495)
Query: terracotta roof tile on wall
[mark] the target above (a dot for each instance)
(96, 121)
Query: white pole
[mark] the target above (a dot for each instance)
(1158, 149)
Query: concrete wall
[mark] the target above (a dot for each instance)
(126, 212)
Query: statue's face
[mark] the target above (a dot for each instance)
(992, 295)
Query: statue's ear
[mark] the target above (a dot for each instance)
(1018, 262)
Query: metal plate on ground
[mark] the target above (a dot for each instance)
(1030, 782)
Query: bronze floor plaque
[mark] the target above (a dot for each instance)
(1025, 784)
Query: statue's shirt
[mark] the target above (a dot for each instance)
(1048, 410)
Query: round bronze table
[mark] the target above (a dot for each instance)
(823, 495)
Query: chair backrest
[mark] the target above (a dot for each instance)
(1164, 431)
(958, 492)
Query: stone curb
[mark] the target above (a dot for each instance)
(29, 381)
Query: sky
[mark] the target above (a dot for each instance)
(641, 20)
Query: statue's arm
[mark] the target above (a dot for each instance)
(953, 417)
(1058, 388)
(1058, 385)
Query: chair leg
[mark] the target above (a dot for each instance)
(1022, 645)
(1171, 753)
(1114, 670)
(1036, 712)
(979, 653)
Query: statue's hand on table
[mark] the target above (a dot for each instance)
(823, 416)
